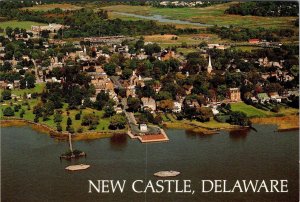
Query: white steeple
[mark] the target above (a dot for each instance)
(209, 67)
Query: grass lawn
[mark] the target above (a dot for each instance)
(211, 124)
(20, 24)
(39, 87)
(103, 122)
(255, 112)
(249, 110)
(46, 7)
(213, 15)
(76, 124)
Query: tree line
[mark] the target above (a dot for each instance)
(262, 8)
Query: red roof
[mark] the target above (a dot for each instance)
(253, 40)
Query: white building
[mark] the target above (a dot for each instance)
(177, 107)
(143, 127)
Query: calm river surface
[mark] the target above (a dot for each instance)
(32, 171)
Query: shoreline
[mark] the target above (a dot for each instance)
(284, 123)
(90, 135)
(193, 127)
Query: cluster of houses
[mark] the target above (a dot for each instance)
(102, 81)
(273, 96)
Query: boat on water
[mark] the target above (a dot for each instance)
(77, 167)
(169, 173)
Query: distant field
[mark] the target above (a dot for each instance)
(20, 24)
(209, 15)
(45, 7)
(192, 39)
(247, 48)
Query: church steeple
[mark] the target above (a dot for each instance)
(209, 67)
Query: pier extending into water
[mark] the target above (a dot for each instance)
(147, 138)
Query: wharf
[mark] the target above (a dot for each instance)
(143, 138)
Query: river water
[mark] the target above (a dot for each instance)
(163, 19)
(32, 171)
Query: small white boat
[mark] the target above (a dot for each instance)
(170, 173)
(77, 167)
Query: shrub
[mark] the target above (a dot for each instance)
(80, 130)
(8, 112)
(36, 119)
(6, 94)
(22, 113)
(58, 127)
(17, 108)
(34, 95)
(77, 116)
(275, 109)
(71, 130)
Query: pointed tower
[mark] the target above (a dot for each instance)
(209, 67)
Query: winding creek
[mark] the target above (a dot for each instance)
(163, 19)
(32, 171)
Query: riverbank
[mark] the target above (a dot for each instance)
(90, 135)
(290, 122)
(206, 128)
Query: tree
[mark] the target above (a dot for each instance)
(133, 104)
(110, 68)
(8, 112)
(6, 67)
(204, 114)
(117, 121)
(28, 81)
(22, 112)
(58, 127)
(57, 117)
(77, 116)
(90, 119)
(38, 110)
(239, 118)
(166, 105)
(9, 31)
(152, 48)
(49, 108)
(203, 44)
(6, 94)
(126, 73)
(139, 44)
(69, 121)
(101, 100)
(109, 111)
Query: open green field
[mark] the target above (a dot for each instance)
(255, 112)
(213, 15)
(39, 87)
(192, 39)
(247, 48)
(76, 124)
(46, 7)
(249, 110)
(102, 126)
(20, 24)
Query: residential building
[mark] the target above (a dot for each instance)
(234, 94)
(148, 103)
